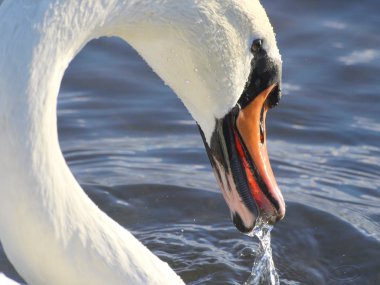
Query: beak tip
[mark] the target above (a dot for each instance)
(270, 218)
(239, 224)
(279, 215)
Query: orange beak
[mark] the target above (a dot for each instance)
(237, 148)
(238, 154)
(250, 124)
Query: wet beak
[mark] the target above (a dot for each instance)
(238, 154)
(250, 141)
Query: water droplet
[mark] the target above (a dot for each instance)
(263, 271)
(345, 273)
(247, 252)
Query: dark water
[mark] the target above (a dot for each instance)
(136, 151)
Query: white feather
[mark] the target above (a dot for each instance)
(50, 230)
(4, 280)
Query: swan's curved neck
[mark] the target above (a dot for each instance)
(51, 231)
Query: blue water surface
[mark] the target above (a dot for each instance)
(138, 154)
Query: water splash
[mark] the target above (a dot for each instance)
(263, 270)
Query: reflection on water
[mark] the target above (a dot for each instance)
(139, 156)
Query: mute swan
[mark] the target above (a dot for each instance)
(221, 59)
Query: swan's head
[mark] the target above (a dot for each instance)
(222, 60)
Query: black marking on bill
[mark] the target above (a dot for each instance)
(237, 168)
(264, 73)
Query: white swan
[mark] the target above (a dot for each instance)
(219, 56)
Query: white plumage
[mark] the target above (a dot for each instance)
(6, 281)
(50, 230)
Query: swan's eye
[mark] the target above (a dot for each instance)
(257, 45)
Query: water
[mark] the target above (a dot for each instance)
(263, 270)
(138, 154)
